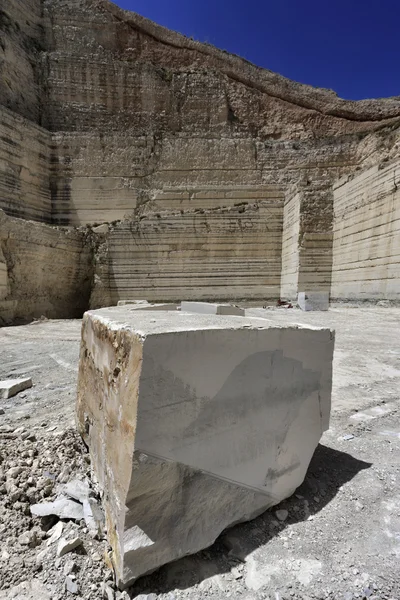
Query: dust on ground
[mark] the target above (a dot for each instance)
(341, 536)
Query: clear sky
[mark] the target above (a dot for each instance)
(350, 46)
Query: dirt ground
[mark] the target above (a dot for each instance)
(341, 539)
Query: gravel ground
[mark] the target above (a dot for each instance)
(340, 538)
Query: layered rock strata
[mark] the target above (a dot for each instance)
(366, 235)
(25, 150)
(222, 254)
(195, 422)
(44, 271)
(106, 117)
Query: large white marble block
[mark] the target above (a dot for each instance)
(195, 422)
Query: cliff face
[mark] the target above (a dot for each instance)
(136, 108)
(22, 43)
(142, 125)
(43, 271)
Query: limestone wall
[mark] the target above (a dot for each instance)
(227, 253)
(43, 271)
(366, 242)
(21, 41)
(127, 70)
(146, 108)
(307, 240)
(315, 237)
(24, 168)
(191, 148)
(290, 246)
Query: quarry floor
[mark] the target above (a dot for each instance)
(341, 538)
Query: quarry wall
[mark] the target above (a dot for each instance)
(215, 253)
(21, 42)
(43, 271)
(25, 152)
(366, 235)
(290, 246)
(214, 175)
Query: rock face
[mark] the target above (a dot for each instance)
(195, 422)
(215, 176)
(43, 270)
(366, 234)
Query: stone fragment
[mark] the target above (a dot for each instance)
(29, 538)
(69, 567)
(93, 516)
(77, 489)
(55, 533)
(14, 492)
(207, 308)
(13, 472)
(313, 300)
(282, 514)
(27, 590)
(144, 305)
(193, 407)
(133, 302)
(42, 556)
(71, 586)
(108, 593)
(11, 387)
(62, 508)
(64, 546)
(103, 229)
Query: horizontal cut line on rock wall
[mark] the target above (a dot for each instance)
(248, 269)
(392, 262)
(371, 215)
(368, 252)
(384, 279)
(217, 274)
(366, 236)
(356, 207)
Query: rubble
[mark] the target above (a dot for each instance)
(27, 590)
(93, 517)
(64, 546)
(282, 515)
(55, 533)
(77, 490)
(168, 405)
(62, 508)
(28, 470)
(71, 586)
(11, 387)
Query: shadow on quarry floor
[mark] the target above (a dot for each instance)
(329, 470)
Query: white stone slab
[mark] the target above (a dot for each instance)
(144, 305)
(11, 387)
(208, 308)
(313, 300)
(195, 422)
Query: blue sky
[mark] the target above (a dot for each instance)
(351, 46)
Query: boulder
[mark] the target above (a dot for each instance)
(196, 422)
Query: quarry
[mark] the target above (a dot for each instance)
(199, 320)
